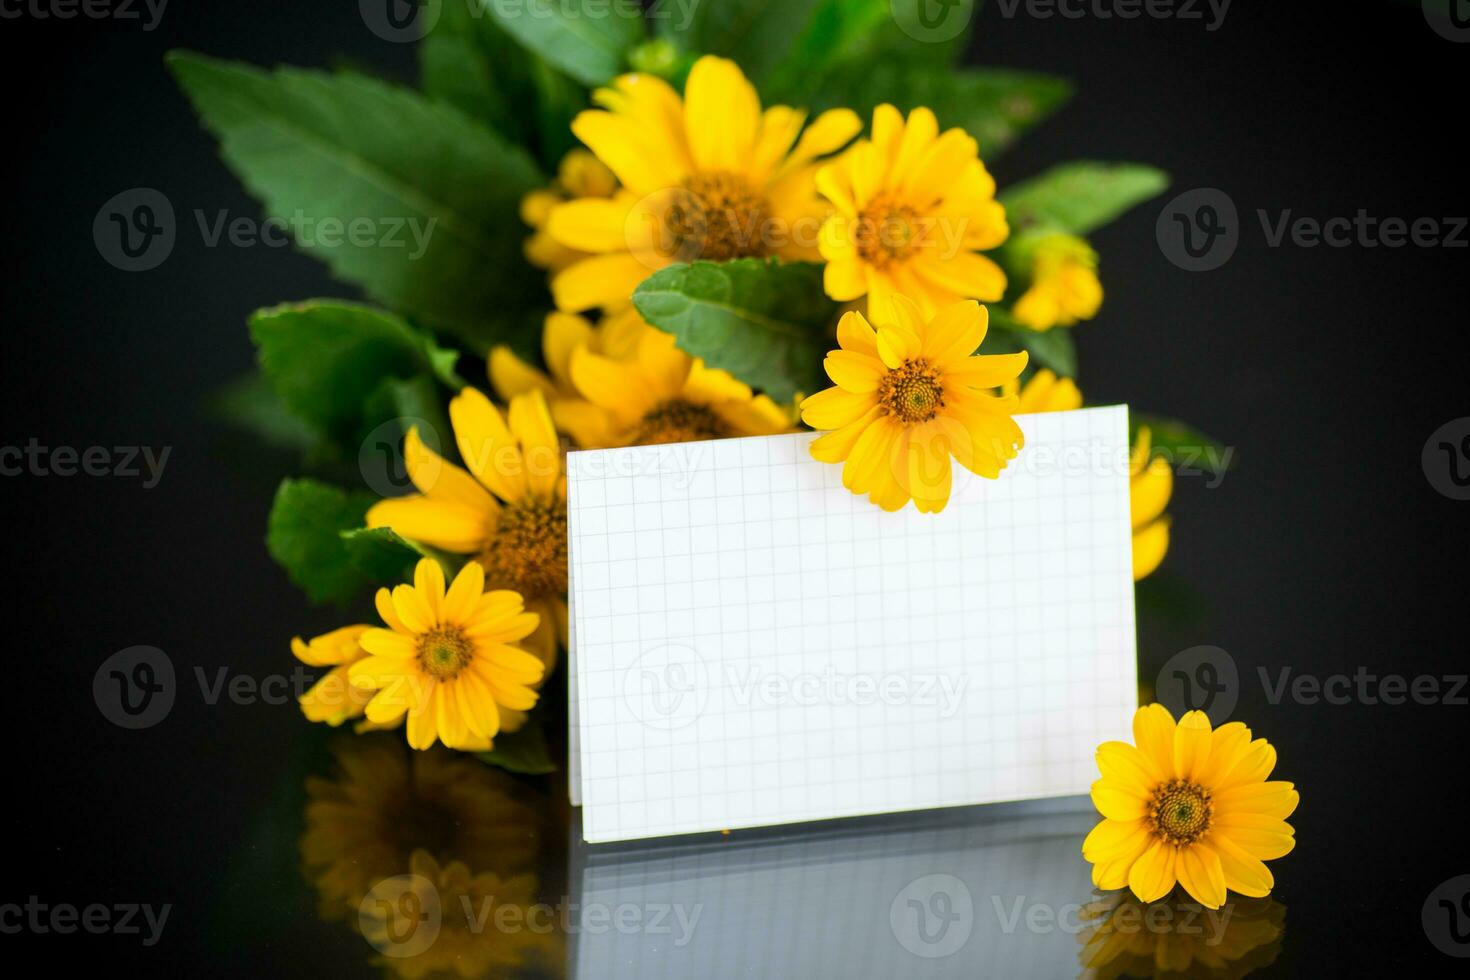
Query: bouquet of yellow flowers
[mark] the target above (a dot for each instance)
(600, 224)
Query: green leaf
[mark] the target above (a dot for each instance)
(1183, 445)
(847, 40)
(426, 192)
(305, 537)
(587, 39)
(327, 358)
(1081, 197)
(994, 105)
(470, 62)
(250, 403)
(385, 558)
(756, 34)
(1053, 348)
(523, 752)
(763, 321)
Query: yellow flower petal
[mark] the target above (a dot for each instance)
(605, 281)
(1153, 733)
(722, 115)
(1202, 875)
(835, 407)
(439, 524)
(1153, 874)
(857, 373)
(1116, 802)
(487, 446)
(1150, 545)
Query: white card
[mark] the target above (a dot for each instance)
(756, 645)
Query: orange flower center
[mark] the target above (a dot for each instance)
(444, 652)
(678, 420)
(889, 232)
(1180, 812)
(528, 552)
(912, 392)
(717, 217)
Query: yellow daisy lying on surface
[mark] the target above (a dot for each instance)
(1188, 805)
(511, 515)
(707, 176)
(909, 397)
(447, 659)
(913, 207)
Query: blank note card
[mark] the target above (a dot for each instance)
(753, 644)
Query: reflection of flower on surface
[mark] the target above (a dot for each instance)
(385, 802)
(1177, 938)
(484, 928)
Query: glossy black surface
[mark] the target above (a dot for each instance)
(1325, 551)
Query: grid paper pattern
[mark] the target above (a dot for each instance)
(756, 645)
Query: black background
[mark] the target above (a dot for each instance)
(1324, 550)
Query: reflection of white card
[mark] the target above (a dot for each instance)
(756, 645)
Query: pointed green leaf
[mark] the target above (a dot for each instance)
(406, 197)
(765, 322)
(1081, 197)
(304, 536)
(327, 358)
(994, 105)
(587, 39)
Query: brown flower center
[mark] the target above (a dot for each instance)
(889, 232)
(444, 651)
(529, 550)
(1180, 812)
(912, 392)
(678, 420)
(717, 217)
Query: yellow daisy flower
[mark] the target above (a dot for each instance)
(1151, 486)
(580, 175)
(908, 397)
(511, 515)
(913, 207)
(446, 658)
(616, 338)
(664, 396)
(1064, 284)
(383, 801)
(1191, 806)
(1045, 392)
(708, 176)
(333, 699)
